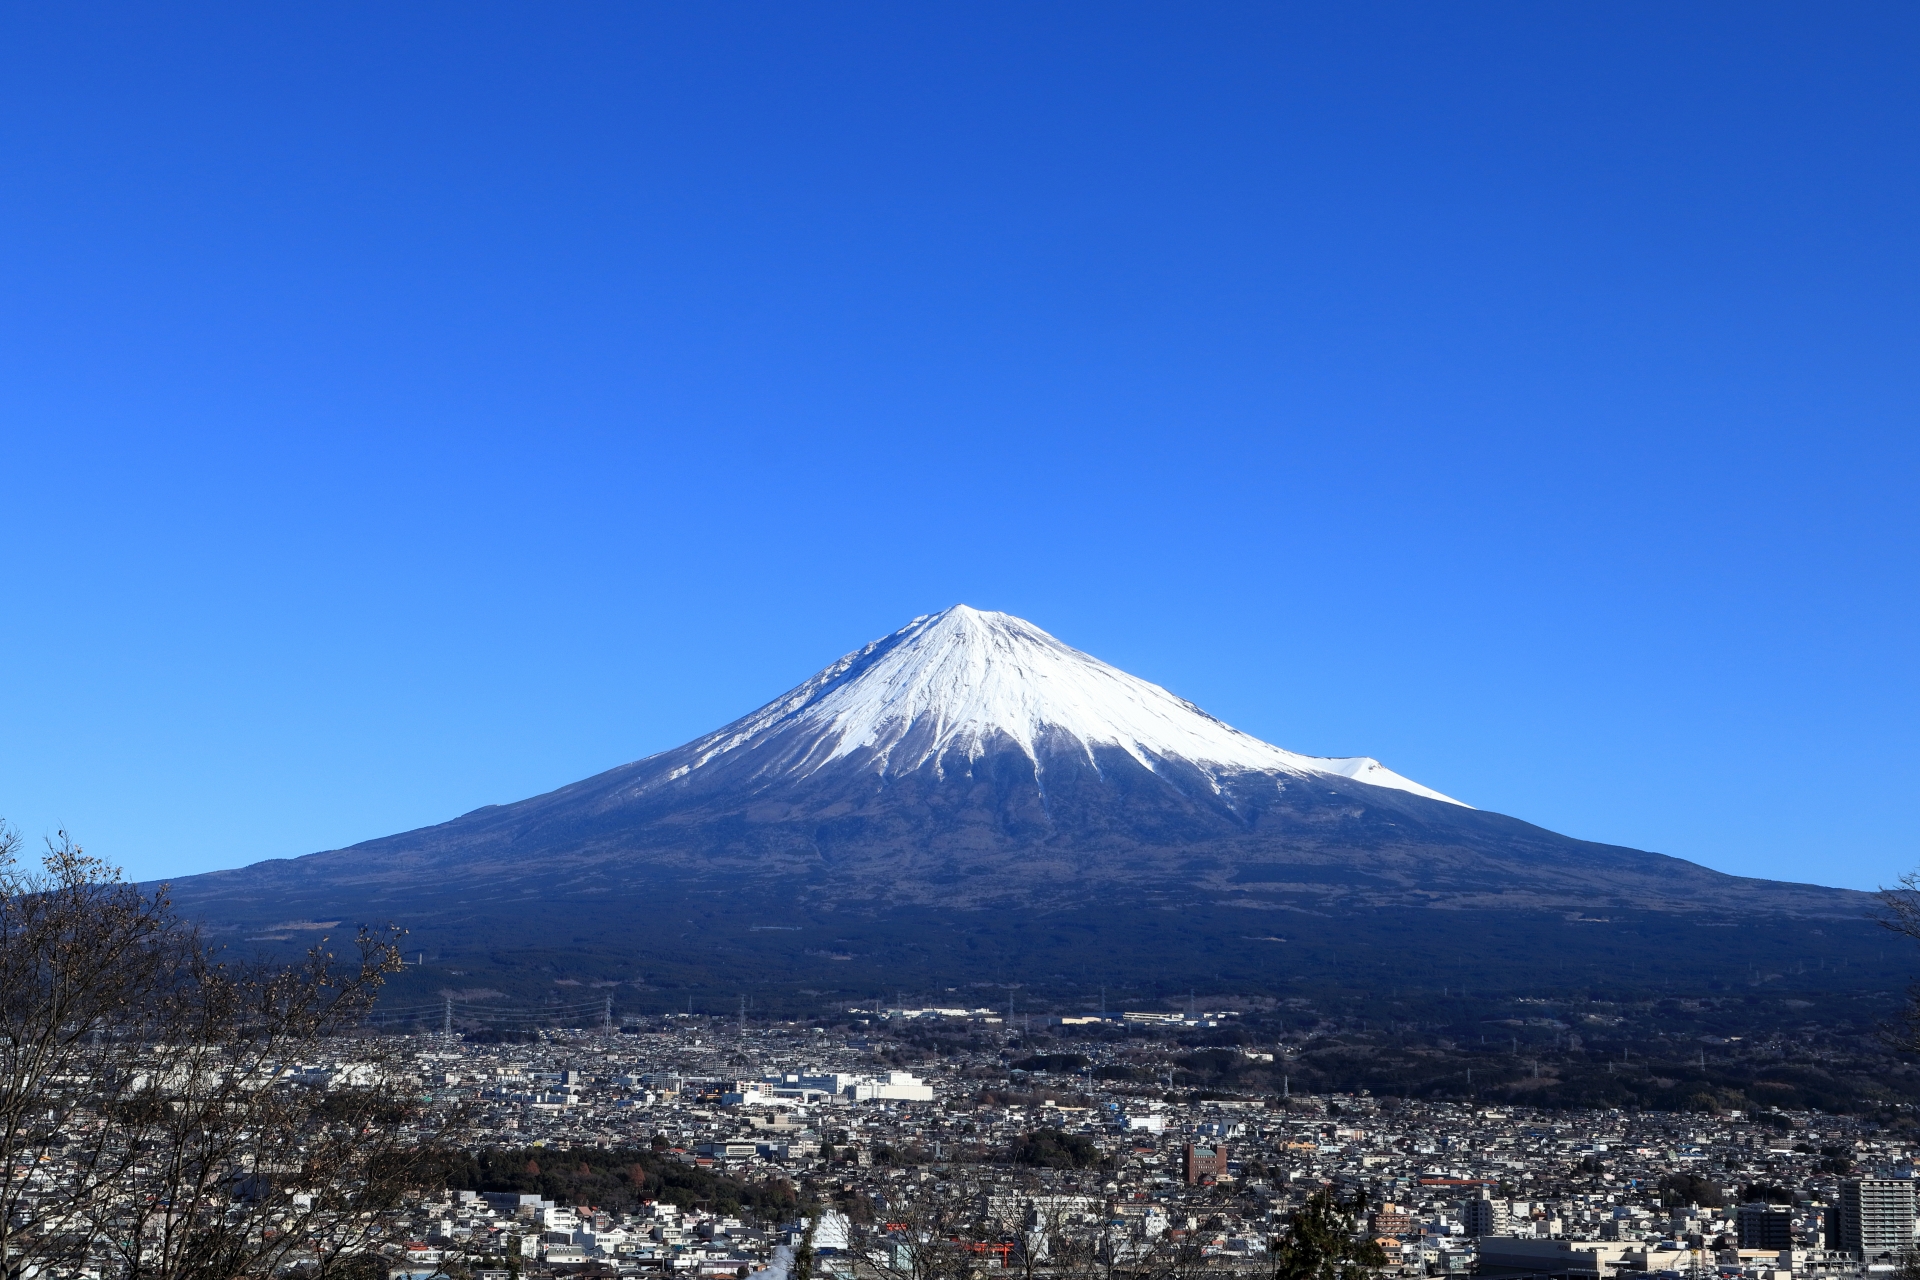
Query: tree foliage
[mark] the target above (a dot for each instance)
(1052, 1149)
(1323, 1241)
(1678, 1189)
(617, 1179)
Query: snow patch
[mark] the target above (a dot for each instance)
(956, 681)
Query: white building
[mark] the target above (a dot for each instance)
(895, 1086)
(899, 1086)
(831, 1232)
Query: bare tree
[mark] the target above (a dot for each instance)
(1175, 1255)
(1049, 1234)
(155, 1120)
(1900, 913)
(936, 1235)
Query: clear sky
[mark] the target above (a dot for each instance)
(405, 408)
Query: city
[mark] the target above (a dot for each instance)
(791, 1136)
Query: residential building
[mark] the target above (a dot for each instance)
(1874, 1218)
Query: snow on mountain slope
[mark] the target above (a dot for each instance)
(963, 680)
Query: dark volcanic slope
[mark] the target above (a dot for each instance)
(989, 834)
(972, 764)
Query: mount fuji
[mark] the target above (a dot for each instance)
(967, 779)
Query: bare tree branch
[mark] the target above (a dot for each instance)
(155, 1120)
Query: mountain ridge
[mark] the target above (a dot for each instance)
(969, 802)
(971, 761)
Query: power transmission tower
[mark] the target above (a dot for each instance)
(446, 1022)
(606, 1018)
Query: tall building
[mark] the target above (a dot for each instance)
(1205, 1163)
(1765, 1226)
(1484, 1217)
(1392, 1220)
(1874, 1218)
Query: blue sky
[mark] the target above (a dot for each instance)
(408, 408)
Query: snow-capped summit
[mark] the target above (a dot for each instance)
(963, 682)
